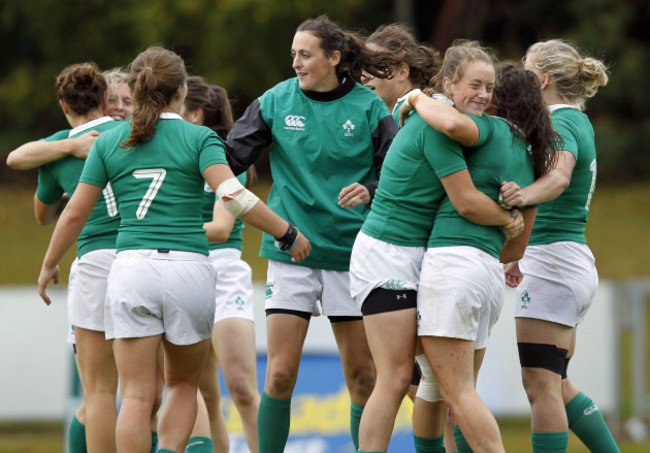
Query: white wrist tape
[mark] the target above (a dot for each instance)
(408, 95)
(238, 199)
(428, 388)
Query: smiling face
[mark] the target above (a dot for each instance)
(315, 70)
(473, 91)
(119, 103)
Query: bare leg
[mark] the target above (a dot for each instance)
(136, 360)
(100, 381)
(391, 339)
(544, 387)
(452, 361)
(234, 342)
(210, 421)
(183, 366)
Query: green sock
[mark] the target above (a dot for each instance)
(363, 451)
(154, 441)
(77, 437)
(355, 421)
(587, 422)
(461, 444)
(273, 421)
(164, 450)
(199, 444)
(550, 442)
(429, 445)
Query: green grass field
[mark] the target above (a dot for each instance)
(617, 234)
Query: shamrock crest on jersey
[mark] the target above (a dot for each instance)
(349, 127)
(525, 299)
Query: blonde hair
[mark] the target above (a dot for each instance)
(574, 77)
(115, 76)
(457, 57)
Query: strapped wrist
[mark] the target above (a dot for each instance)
(288, 240)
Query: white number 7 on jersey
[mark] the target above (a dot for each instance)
(157, 175)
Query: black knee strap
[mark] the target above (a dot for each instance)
(565, 367)
(382, 300)
(417, 374)
(537, 355)
(301, 314)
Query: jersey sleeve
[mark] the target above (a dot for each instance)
(569, 138)
(247, 139)
(48, 190)
(94, 171)
(211, 151)
(443, 154)
(485, 129)
(382, 137)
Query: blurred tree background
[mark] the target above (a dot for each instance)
(244, 46)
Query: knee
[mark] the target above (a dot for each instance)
(363, 381)
(281, 381)
(241, 393)
(541, 385)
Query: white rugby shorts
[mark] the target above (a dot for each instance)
(299, 288)
(379, 264)
(559, 284)
(460, 295)
(234, 289)
(151, 293)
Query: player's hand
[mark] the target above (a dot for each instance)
(513, 274)
(515, 226)
(83, 143)
(354, 195)
(512, 194)
(47, 274)
(301, 250)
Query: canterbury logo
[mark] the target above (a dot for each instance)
(401, 296)
(590, 410)
(294, 121)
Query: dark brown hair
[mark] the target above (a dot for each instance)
(517, 96)
(217, 111)
(397, 41)
(82, 86)
(155, 76)
(355, 56)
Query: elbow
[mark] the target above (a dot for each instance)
(465, 208)
(13, 162)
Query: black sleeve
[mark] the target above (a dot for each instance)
(247, 139)
(382, 137)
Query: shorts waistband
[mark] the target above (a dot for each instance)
(162, 254)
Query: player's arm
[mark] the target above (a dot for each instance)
(477, 207)
(47, 214)
(513, 249)
(67, 230)
(547, 187)
(34, 154)
(220, 227)
(247, 139)
(242, 203)
(445, 118)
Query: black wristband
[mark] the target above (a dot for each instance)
(288, 241)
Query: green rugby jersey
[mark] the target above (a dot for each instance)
(236, 236)
(409, 189)
(62, 176)
(565, 217)
(498, 156)
(319, 143)
(158, 184)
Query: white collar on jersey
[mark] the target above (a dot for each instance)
(89, 124)
(170, 116)
(554, 107)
